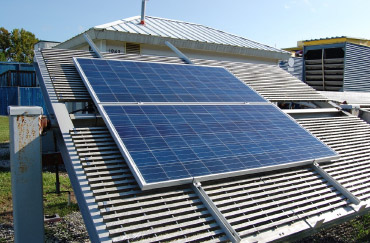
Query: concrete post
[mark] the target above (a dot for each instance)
(26, 173)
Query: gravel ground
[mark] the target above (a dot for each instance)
(70, 229)
(343, 233)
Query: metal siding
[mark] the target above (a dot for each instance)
(8, 96)
(357, 66)
(298, 67)
(32, 97)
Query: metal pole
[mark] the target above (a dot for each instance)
(26, 173)
(178, 52)
(92, 45)
(142, 20)
(57, 183)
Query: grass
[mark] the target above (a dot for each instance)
(362, 226)
(53, 203)
(4, 129)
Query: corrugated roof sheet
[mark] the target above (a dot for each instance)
(69, 86)
(169, 28)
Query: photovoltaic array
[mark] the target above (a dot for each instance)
(170, 142)
(177, 122)
(119, 81)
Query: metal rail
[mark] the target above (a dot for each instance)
(212, 208)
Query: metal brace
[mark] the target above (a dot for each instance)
(358, 204)
(212, 208)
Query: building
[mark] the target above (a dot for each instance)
(269, 205)
(18, 86)
(194, 40)
(335, 64)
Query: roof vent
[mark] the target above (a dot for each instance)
(132, 48)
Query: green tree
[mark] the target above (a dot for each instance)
(4, 43)
(21, 45)
(17, 46)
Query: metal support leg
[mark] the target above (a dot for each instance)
(26, 173)
(57, 183)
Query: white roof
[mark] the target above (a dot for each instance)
(168, 28)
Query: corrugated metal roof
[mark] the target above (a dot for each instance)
(260, 207)
(169, 28)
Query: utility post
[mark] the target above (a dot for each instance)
(26, 173)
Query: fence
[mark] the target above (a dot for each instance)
(13, 78)
(25, 96)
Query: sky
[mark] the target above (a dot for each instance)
(277, 23)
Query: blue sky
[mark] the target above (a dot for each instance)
(278, 23)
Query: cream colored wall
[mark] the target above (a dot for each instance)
(115, 46)
(165, 51)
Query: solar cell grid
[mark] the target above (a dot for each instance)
(118, 81)
(170, 142)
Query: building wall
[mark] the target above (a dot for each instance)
(45, 44)
(146, 49)
(15, 66)
(357, 68)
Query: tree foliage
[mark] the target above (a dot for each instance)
(17, 46)
(4, 43)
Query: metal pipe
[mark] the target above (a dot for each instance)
(142, 20)
(92, 45)
(178, 52)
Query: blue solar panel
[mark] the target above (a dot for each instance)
(126, 81)
(174, 142)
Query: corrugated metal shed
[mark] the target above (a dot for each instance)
(181, 34)
(337, 67)
(261, 207)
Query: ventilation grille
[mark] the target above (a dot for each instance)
(132, 48)
(324, 69)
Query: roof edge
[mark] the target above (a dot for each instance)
(179, 43)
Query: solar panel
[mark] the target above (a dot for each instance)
(124, 81)
(173, 142)
(174, 123)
